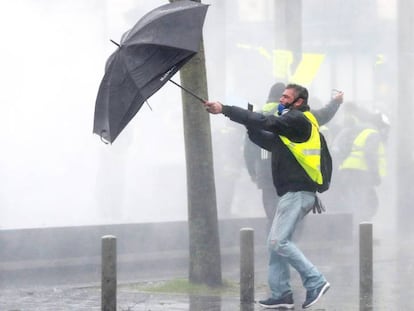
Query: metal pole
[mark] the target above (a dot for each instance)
(365, 267)
(247, 265)
(108, 286)
(404, 117)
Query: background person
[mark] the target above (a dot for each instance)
(258, 160)
(360, 162)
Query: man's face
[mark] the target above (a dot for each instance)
(288, 97)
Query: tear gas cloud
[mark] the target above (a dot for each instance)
(55, 172)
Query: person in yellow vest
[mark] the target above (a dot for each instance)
(359, 151)
(295, 151)
(258, 160)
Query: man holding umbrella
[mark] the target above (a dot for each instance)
(258, 160)
(294, 132)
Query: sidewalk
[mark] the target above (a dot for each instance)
(393, 272)
(393, 275)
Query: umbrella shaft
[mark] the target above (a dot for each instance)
(188, 91)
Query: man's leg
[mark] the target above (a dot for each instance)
(292, 207)
(270, 200)
(278, 275)
(278, 278)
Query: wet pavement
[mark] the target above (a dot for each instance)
(393, 272)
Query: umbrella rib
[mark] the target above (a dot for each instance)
(116, 43)
(148, 105)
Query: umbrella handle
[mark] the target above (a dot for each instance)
(188, 91)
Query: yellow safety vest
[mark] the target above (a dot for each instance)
(308, 153)
(356, 159)
(270, 107)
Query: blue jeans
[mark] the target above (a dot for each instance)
(292, 207)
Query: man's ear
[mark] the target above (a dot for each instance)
(298, 103)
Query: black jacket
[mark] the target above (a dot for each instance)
(258, 161)
(264, 130)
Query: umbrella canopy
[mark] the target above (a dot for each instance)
(147, 57)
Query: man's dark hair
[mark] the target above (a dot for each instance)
(301, 92)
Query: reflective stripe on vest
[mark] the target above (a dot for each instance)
(264, 154)
(308, 153)
(356, 159)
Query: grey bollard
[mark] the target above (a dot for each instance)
(109, 283)
(365, 267)
(247, 265)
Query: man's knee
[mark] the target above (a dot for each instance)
(278, 246)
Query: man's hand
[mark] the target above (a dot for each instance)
(213, 107)
(338, 96)
(318, 207)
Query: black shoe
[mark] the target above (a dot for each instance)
(312, 296)
(286, 302)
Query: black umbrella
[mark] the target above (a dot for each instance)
(147, 57)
